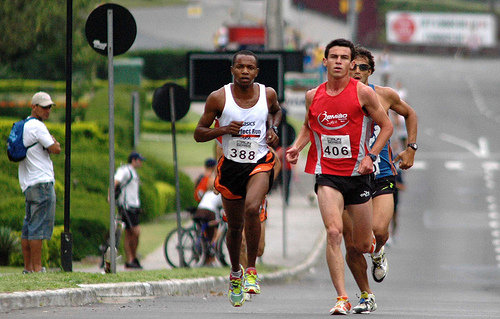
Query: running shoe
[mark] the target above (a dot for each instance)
(251, 282)
(236, 294)
(342, 307)
(366, 303)
(379, 266)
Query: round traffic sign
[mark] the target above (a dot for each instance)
(162, 101)
(124, 29)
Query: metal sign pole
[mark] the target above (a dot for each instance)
(136, 112)
(353, 20)
(112, 243)
(283, 186)
(66, 236)
(177, 195)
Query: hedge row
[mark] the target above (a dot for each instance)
(89, 209)
(162, 64)
(166, 127)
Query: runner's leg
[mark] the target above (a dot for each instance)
(331, 205)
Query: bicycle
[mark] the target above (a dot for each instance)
(196, 247)
(104, 248)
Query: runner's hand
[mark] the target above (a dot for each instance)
(366, 166)
(234, 127)
(292, 155)
(406, 157)
(272, 139)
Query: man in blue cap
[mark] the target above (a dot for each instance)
(129, 205)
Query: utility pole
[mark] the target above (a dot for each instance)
(353, 20)
(274, 25)
(236, 15)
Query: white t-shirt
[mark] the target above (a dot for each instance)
(37, 167)
(211, 201)
(129, 197)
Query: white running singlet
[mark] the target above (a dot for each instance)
(250, 144)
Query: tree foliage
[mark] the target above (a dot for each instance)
(33, 38)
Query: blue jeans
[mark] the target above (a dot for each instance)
(40, 211)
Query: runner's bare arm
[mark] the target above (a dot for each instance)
(402, 108)
(369, 101)
(303, 138)
(274, 117)
(213, 108)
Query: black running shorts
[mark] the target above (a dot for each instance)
(232, 177)
(384, 185)
(355, 189)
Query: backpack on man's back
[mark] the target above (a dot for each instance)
(16, 151)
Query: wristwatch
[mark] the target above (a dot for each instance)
(413, 145)
(275, 129)
(373, 157)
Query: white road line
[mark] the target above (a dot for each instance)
(489, 169)
(481, 151)
(480, 103)
(454, 165)
(419, 165)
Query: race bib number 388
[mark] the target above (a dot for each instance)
(243, 151)
(336, 146)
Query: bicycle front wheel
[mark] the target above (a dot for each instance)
(172, 244)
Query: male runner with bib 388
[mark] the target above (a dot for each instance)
(338, 123)
(248, 114)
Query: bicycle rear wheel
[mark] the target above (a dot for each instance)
(172, 242)
(222, 253)
(200, 247)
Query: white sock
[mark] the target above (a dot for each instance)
(236, 274)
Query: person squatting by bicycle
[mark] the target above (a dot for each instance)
(209, 211)
(205, 181)
(248, 114)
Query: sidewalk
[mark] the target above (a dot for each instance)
(304, 244)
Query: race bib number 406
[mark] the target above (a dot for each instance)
(243, 151)
(336, 146)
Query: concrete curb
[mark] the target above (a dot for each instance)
(88, 294)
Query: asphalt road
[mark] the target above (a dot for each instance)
(445, 262)
(168, 26)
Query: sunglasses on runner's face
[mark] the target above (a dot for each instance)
(362, 67)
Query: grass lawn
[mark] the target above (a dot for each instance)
(11, 282)
(189, 152)
(152, 237)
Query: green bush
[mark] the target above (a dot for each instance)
(53, 247)
(166, 197)
(31, 86)
(89, 209)
(166, 127)
(88, 234)
(162, 64)
(51, 250)
(9, 244)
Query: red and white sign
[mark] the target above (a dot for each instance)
(404, 28)
(247, 35)
(445, 29)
